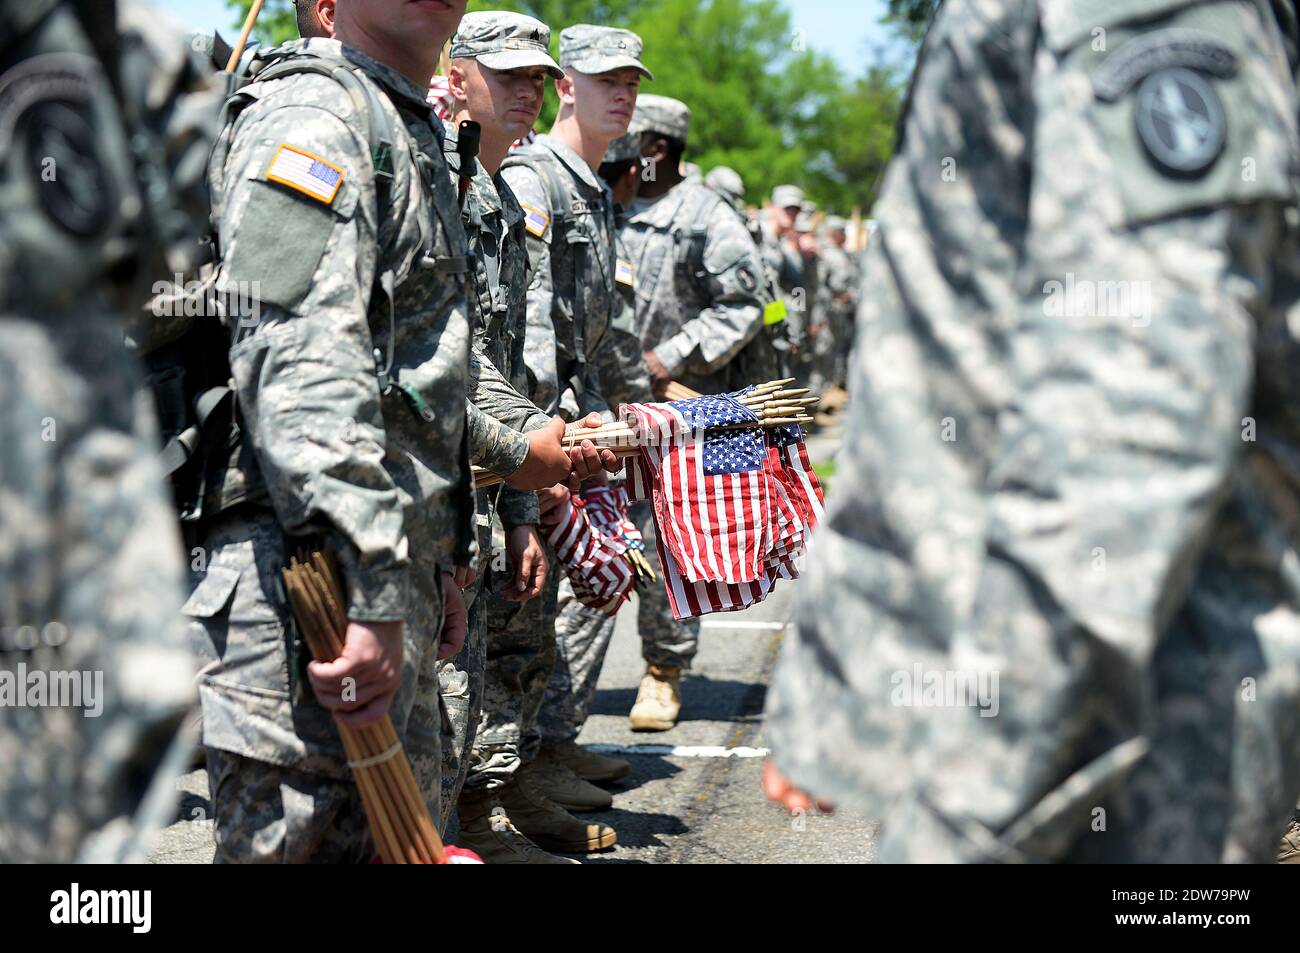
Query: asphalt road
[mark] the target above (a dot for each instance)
(694, 793)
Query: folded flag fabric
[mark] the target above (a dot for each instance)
(593, 560)
(735, 505)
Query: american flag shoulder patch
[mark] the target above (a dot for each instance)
(536, 222)
(304, 172)
(624, 273)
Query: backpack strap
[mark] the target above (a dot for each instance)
(564, 227)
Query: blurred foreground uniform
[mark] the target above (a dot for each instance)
(351, 388)
(1073, 458)
(90, 559)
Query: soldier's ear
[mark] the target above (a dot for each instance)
(325, 13)
(456, 81)
(564, 89)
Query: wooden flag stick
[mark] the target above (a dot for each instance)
(244, 34)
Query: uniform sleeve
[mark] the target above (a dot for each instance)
(1031, 476)
(499, 416)
(299, 234)
(517, 508)
(540, 352)
(734, 314)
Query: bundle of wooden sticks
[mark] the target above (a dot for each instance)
(775, 404)
(399, 820)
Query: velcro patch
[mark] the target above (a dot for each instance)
(625, 274)
(536, 222)
(306, 173)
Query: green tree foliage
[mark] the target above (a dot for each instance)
(761, 101)
(275, 24)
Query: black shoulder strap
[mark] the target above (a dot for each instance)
(692, 251)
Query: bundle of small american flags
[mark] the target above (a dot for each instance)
(735, 502)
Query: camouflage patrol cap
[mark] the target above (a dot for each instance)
(834, 223)
(661, 114)
(593, 49)
(624, 149)
(504, 41)
(726, 181)
(803, 222)
(787, 196)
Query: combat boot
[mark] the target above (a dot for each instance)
(557, 783)
(658, 701)
(586, 764)
(548, 825)
(1289, 850)
(485, 828)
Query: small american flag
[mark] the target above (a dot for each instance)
(593, 559)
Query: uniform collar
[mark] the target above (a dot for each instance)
(660, 215)
(575, 162)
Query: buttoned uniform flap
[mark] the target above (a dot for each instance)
(213, 593)
(1183, 103)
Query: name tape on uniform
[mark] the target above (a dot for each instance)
(306, 173)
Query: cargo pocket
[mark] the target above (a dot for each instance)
(1186, 100)
(213, 593)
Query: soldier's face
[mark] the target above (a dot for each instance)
(509, 100)
(604, 103)
(402, 23)
(785, 216)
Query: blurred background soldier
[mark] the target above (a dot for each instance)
(809, 359)
(700, 299)
(839, 293)
(1054, 613)
(784, 260)
(90, 557)
(572, 299)
(727, 182)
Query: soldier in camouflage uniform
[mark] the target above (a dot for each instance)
(351, 387)
(572, 298)
(567, 771)
(499, 64)
(838, 290)
(1053, 613)
(727, 182)
(90, 558)
(700, 301)
(784, 262)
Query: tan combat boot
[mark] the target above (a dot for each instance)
(485, 828)
(658, 701)
(1289, 850)
(586, 764)
(548, 825)
(557, 783)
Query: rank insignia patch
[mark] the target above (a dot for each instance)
(306, 173)
(1180, 120)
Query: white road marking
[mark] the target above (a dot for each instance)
(742, 624)
(680, 751)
